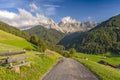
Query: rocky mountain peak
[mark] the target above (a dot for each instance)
(68, 20)
(69, 24)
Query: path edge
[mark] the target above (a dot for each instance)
(52, 68)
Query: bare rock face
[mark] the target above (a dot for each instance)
(71, 25)
(49, 23)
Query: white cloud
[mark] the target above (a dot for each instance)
(89, 18)
(23, 18)
(5, 14)
(48, 5)
(34, 7)
(46, 9)
(26, 18)
(50, 9)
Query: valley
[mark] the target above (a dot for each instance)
(59, 40)
(40, 44)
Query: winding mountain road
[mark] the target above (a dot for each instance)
(69, 69)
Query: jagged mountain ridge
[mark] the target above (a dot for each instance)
(66, 25)
(71, 25)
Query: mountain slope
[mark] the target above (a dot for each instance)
(11, 39)
(103, 38)
(69, 37)
(10, 29)
(50, 35)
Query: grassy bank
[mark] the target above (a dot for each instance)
(112, 59)
(104, 72)
(40, 64)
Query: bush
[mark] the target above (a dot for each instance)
(72, 52)
(66, 54)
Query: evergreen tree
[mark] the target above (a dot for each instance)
(41, 45)
(34, 39)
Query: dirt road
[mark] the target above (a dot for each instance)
(69, 69)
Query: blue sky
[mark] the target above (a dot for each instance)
(82, 10)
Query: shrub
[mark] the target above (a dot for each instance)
(72, 52)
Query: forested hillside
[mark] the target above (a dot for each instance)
(103, 38)
(51, 35)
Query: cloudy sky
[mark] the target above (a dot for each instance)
(28, 11)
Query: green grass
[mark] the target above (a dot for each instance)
(114, 59)
(7, 48)
(7, 36)
(11, 39)
(103, 72)
(18, 43)
(40, 64)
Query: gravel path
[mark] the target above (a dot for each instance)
(69, 69)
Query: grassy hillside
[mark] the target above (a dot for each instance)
(7, 48)
(40, 64)
(10, 29)
(104, 72)
(103, 38)
(10, 39)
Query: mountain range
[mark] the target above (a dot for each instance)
(71, 25)
(66, 25)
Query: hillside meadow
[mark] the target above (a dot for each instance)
(7, 38)
(102, 71)
(40, 64)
